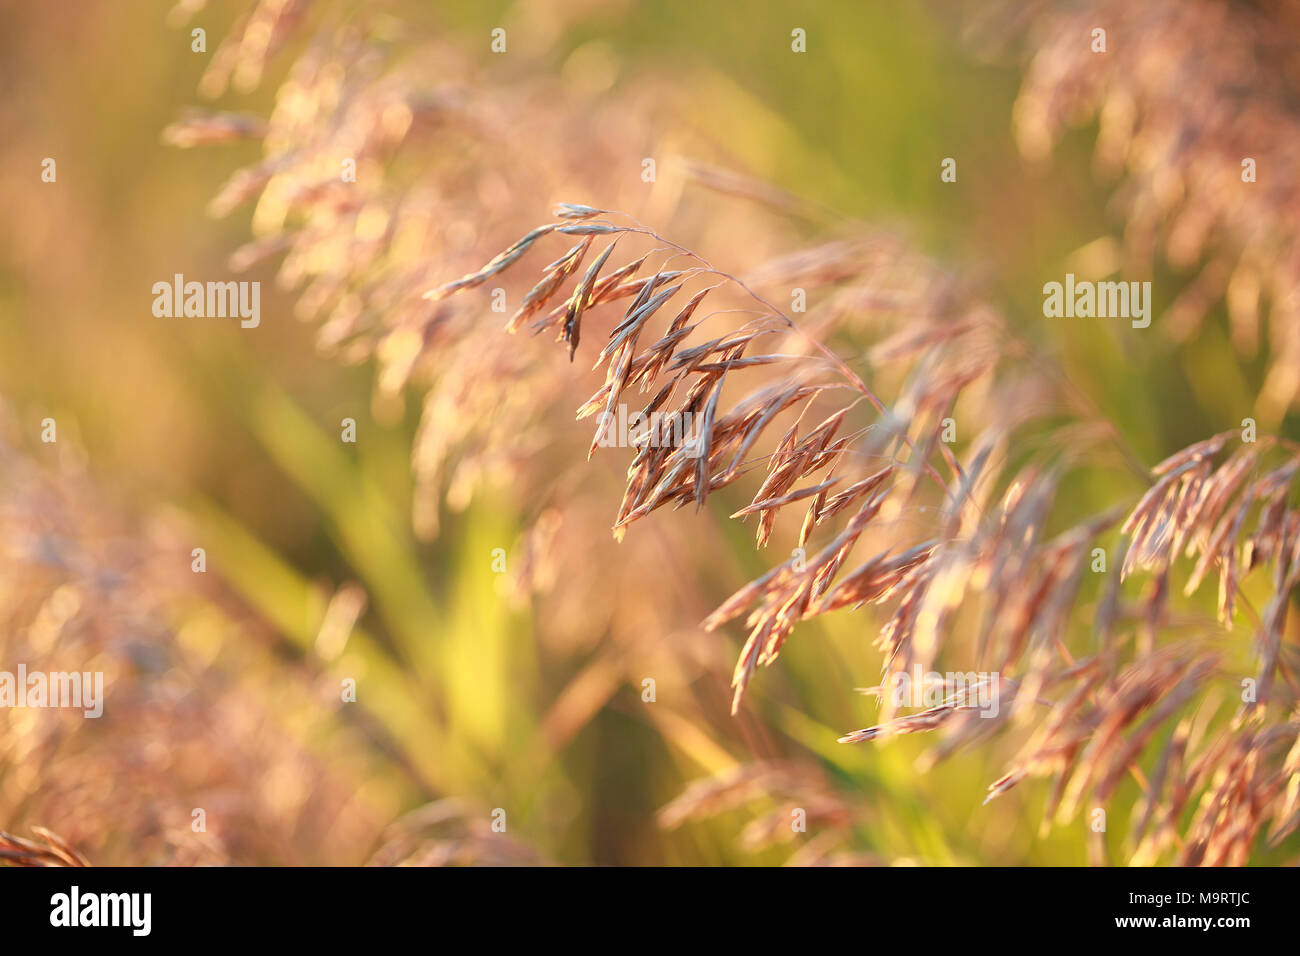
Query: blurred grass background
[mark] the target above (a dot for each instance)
(238, 429)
